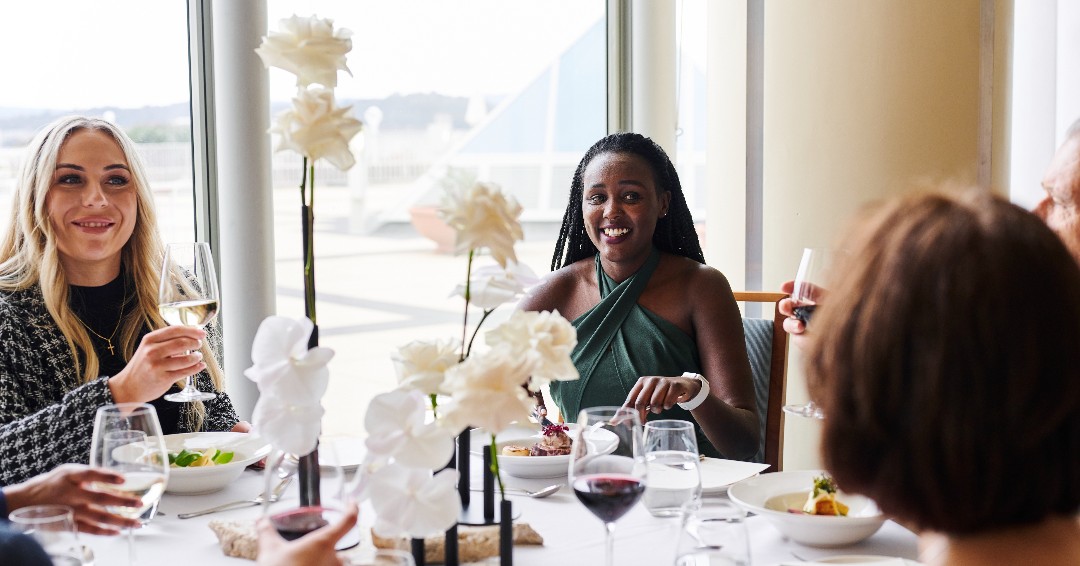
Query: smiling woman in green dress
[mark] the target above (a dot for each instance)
(658, 330)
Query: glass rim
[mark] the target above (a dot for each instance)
(41, 514)
(125, 408)
(669, 424)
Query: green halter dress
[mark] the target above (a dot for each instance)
(619, 341)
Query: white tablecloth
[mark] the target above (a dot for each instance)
(571, 534)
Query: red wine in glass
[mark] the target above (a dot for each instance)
(804, 312)
(295, 523)
(608, 496)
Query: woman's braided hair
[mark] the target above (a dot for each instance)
(674, 234)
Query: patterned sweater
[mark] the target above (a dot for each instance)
(46, 415)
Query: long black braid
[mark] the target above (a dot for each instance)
(674, 233)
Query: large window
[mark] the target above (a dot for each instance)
(123, 60)
(510, 92)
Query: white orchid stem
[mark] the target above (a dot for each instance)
(465, 321)
(495, 468)
(476, 331)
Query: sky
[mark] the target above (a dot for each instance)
(131, 53)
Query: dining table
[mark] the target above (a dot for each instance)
(571, 534)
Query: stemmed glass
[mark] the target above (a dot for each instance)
(607, 465)
(809, 289)
(188, 296)
(296, 522)
(53, 527)
(127, 440)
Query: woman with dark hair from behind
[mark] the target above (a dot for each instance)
(658, 329)
(947, 363)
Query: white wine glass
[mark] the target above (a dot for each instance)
(127, 440)
(53, 527)
(188, 296)
(607, 466)
(808, 292)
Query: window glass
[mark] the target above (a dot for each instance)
(510, 92)
(123, 60)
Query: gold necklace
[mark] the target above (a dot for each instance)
(108, 341)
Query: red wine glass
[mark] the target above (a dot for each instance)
(809, 290)
(607, 465)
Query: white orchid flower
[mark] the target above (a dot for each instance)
(545, 339)
(309, 48)
(493, 285)
(396, 429)
(317, 128)
(486, 391)
(483, 218)
(292, 381)
(411, 502)
(422, 365)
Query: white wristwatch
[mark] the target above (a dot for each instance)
(700, 397)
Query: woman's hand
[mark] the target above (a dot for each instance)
(792, 325)
(313, 549)
(69, 485)
(653, 393)
(164, 357)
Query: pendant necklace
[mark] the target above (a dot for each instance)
(108, 341)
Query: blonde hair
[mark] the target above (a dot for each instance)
(29, 253)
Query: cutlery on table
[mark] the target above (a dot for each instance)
(538, 494)
(275, 494)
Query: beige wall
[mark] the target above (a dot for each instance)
(862, 99)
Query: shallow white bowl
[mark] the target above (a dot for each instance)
(771, 495)
(533, 466)
(248, 449)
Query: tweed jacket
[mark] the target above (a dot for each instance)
(46, 414)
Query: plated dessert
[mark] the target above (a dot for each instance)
(554, 442)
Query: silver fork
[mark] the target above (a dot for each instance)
(275, 494)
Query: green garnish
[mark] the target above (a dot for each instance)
(222, 457)
(824, 484)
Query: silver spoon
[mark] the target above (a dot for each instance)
(538, 494)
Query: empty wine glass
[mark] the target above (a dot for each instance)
(607, 466)
(188, 296)
(808, 291)
(127, 440)
(53, 527)
(713, 534)
(671, 455)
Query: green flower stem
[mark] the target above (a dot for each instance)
(495, 468)
(434, 404)
(476, 330)
(465, 321)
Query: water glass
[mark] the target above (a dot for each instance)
(671, 455)
(53, 527)
(713, 535)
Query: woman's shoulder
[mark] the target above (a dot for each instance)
(558, 288)
(692, 274)
(14, 301)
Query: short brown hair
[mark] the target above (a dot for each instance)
(947, 361)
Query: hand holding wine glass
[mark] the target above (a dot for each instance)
(607, 465)
(188, 296)
(127, 440)
(808, 291)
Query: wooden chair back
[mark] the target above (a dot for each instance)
(766, 345)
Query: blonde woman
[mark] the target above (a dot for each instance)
(78, 304)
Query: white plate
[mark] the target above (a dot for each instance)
(770, 495)
(248, 449)
(854, 559)
(717, 474)
(534, 466)
(350, 450)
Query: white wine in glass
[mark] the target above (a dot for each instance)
(127, 440)
(809, 289)
(188, 296)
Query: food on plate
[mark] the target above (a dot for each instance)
(195, 458)
(555, 442)
(822, 499)
(515, 450)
